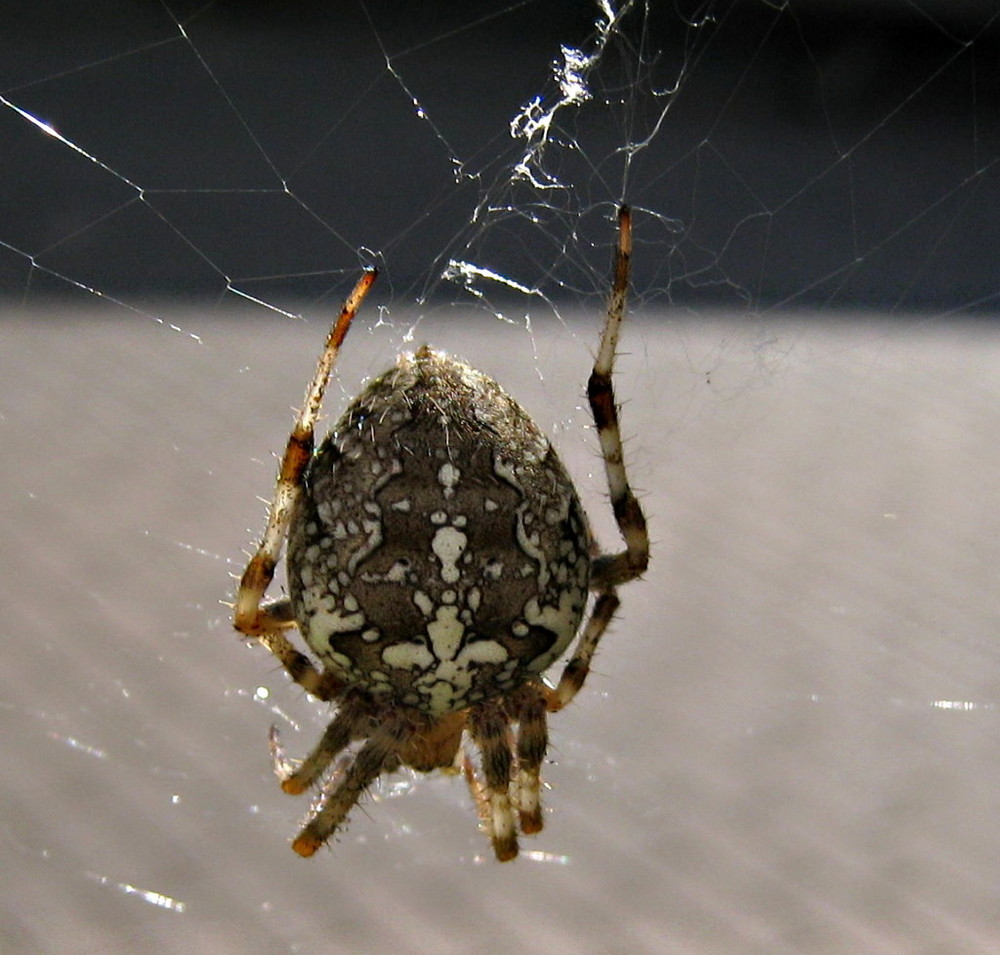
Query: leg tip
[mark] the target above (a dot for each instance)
(506, 850)
(531, 822)
(306, 845)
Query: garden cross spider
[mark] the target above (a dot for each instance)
(439, 561)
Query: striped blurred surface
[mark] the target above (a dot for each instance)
(789, 743)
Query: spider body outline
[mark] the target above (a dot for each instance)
(439, 560)
(435, 573)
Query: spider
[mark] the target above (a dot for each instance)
(439, 561)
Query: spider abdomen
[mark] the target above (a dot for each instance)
(439, 554)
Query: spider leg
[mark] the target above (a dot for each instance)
(476, 788)
(280, 611)
(484, 808)
(489, 729)
(575, 672)
(251, 616)
(381, 750)
(297, 776)
(532, 743)
(610, 570)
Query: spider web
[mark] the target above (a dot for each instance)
(779, 158)
(188, 191)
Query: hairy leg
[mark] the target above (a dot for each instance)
(251, 616)
(381, 749)
(350, 723)
(490, 732)
(575, 672)
(532, 741)
(610, 570)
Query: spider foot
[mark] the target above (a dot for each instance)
(284, 768)
(501, 827)
(306, 843)
(318, 828)
(496, 814)
(529, 802)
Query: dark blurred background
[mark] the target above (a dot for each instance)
(811, 154)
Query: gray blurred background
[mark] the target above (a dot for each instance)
(789, 742)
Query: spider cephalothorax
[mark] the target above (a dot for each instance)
(438, 562)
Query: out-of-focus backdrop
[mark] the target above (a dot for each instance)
(789, 740)
(800, 153)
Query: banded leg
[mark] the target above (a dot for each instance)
(490, 732)
(575, 672)
(380, 750)
(532, 743)
(297, 776)
(251, 616)
(476, 788)
(610, 570)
